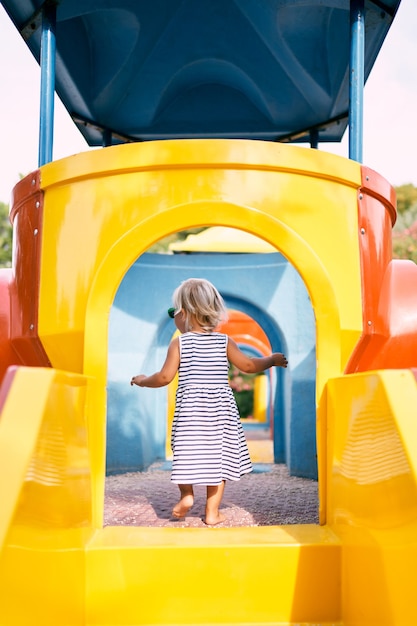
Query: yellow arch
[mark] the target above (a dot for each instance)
(126, 250)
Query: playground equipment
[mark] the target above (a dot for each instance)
(80, 224)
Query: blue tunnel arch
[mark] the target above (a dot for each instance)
(140, 330)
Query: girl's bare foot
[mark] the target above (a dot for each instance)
(186, 502)
(214, 498)
(183, 506)
(213, 520)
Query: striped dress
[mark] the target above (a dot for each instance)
(207, 439)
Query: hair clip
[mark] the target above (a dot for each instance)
(171, 312)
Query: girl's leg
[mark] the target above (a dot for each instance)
(185, 503)
(214, 498)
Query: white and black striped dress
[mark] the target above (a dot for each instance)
(207, 440)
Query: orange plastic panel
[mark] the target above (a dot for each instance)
(376, 217)
(26, 217)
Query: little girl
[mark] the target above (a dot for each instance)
(207, 438)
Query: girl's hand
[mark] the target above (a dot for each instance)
(280, 360)
(136, 380)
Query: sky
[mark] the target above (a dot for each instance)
(390, 105)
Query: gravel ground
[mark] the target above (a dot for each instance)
(266, 497)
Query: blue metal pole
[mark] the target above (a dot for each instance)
(47, 63)
(357, 79)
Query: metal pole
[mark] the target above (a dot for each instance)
(47, 63)
(356, 80)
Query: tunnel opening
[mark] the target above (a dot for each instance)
(138, 487)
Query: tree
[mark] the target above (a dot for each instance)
(404, 244)
(5, 236)
(404, 235)
(406, 197)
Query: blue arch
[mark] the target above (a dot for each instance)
(264, 286)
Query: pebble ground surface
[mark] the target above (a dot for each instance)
(268, 496)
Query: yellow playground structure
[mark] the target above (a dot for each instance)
(79, 225)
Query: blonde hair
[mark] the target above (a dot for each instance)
(197, 297)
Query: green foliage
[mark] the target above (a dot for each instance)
(5, 236)
(404, 245)
(244, 401)
(406, 197)
(404, 236)
(406, 220)
(242, 386)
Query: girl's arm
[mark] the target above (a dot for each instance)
(167, 372)
(253, 365)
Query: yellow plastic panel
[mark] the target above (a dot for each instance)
(45, 497)
(43, 583)
(372, 493)
(289, 575)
